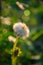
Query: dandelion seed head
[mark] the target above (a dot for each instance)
(21, 30)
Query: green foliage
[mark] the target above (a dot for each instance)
(32, 16)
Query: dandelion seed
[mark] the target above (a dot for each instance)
(21, 30)
(11, 39)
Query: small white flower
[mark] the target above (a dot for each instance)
(21, 30)
(12, 39)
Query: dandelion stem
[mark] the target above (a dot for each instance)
(13, 50)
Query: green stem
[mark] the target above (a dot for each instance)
(13, 50)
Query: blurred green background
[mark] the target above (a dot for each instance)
(32, 16)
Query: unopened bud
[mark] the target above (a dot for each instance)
(11, 39)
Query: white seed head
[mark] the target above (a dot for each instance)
(21, 30)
